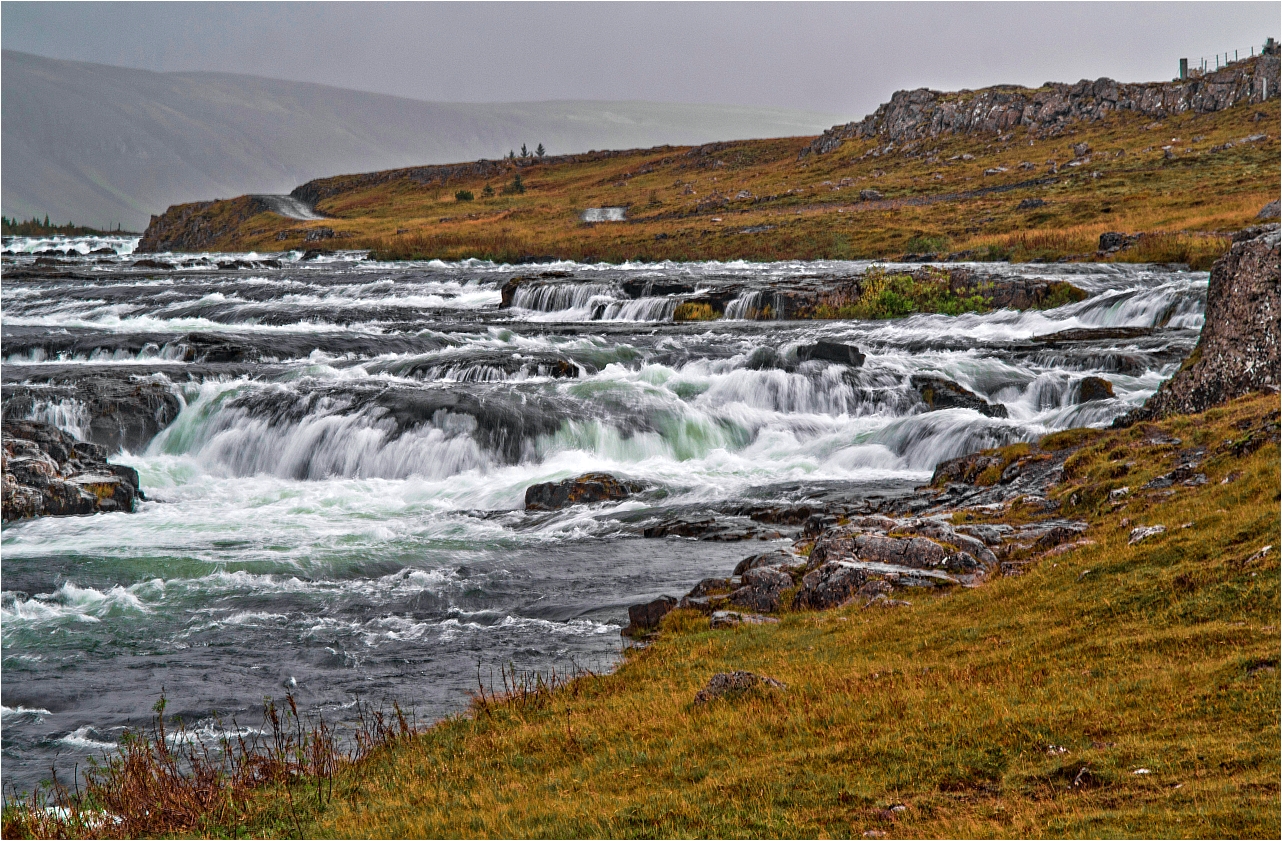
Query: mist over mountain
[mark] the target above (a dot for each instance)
(101, 145)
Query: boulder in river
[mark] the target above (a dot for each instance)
(588, 488)
(1094, 388)
(48, 472)
(826, 351)
(940, 393)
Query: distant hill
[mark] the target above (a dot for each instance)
(102, 145)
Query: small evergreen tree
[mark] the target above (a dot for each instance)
(511, 156)
(525, 153)
(464, 195)
(540, 151)
(488, 191)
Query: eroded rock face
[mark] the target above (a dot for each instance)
(1238, 351)
(48, 472)
(590, 487)
(922, 113)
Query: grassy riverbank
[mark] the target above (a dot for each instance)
(1116, 689)
(977, 197)
(1026, 707)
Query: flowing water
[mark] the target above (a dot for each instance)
(337, 509)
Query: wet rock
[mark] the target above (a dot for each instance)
(153, 264)
(1269, 211)
(765, 359)
(585, 489)
(206, 347)
(729, 684)
(644, 619)
(47, 472)
(939, 393)
(1094, 388)
(1237, 353)
(831, 352)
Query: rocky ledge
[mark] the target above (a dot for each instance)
(48, 472)
(921, 114)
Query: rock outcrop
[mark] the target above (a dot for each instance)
(198, 226)
(48, 472)
(921, 114)
(1237, 352)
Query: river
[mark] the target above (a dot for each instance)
(336, 510)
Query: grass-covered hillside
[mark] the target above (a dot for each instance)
(1184, 181)
(1107, 687)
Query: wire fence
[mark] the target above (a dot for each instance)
(1203, 64)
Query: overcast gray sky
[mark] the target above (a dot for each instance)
(842, 58)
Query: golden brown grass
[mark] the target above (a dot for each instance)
(1115, 690)
(801, 210)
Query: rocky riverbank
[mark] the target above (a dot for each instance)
(991, 513)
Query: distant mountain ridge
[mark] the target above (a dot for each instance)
(102, 145)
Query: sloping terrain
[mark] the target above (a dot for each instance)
(103, 145)
(1045, 187)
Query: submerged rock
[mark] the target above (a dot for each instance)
(588, 488)
(940, 393)
(48, 472)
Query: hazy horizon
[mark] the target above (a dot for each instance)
(843, 58)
